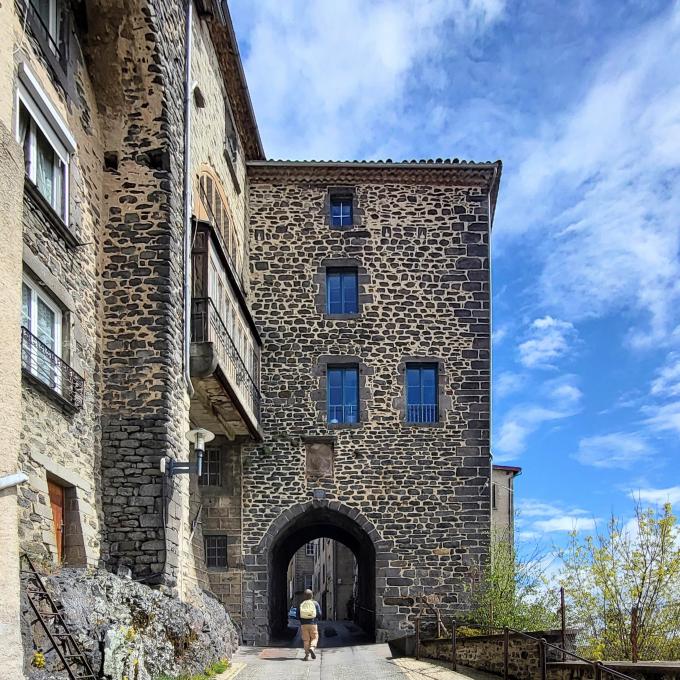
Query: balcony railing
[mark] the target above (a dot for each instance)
(421, 413)
(207, 326)
(342, 413)
(39, 361)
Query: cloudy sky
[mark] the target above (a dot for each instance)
(581, 102)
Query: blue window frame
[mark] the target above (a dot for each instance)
(421, 393)
(343, 394)
(342, 291)
(341, 211)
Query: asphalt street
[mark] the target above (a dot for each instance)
(342, 655)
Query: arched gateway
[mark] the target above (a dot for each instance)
(265, 604)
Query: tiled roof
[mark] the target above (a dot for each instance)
(430, 161)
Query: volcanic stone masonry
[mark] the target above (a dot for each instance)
(421, 492)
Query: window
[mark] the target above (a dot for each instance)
(342, 291)
(341, 211)
(49, 16)
(212, 468)
(46, 156)
(309, 550)
(421, 393)
(343, 394)
(308, 581)
(493, 495)
(41, 319)
(216, 552)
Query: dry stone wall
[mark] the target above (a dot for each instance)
(423, 252)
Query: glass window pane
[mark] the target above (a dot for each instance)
(46, 330)
(334, 377)
(333, 284)
(349, 293)
(26, 306)
(413, 377)
(44, 178)
(413, 394)
(58, 190)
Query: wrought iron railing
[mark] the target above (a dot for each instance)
(207, 326)
(39, 361)
(421, 413)
(343, 413)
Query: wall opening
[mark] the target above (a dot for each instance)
(315, 525)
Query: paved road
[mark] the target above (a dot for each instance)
(340, 656)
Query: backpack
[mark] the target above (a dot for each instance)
(308, 609)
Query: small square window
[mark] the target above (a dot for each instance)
(343, 394)
(212, 468)
(216, 552)
(342, 291)
(341, 211)
(310, 550)
(421, 393)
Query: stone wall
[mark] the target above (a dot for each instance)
(138, 73)
(423, 244)
(485, 653)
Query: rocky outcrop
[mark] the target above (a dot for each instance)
(130, 630)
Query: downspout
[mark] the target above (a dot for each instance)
(187, 194)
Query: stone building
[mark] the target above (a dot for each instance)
(503, 500)
(334, 569)
(300, 573)
(125, 131)
(327, 322)
(370, 286)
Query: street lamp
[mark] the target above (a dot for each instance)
(199, 438)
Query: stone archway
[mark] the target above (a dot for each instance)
(265, 603)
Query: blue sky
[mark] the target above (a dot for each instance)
(581, 102)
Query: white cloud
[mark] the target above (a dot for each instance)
(615, 450)
(328, 78)
(537, 517)
(565, 523)
(667, 381)
(559, 399)
(598, 186)
(670, 494)
(549, 339)
(665, 418)
(508, 383)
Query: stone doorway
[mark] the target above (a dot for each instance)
(320, 521)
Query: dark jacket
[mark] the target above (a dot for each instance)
(315, 620)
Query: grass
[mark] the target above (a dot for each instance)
(208, 674)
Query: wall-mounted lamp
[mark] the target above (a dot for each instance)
(199, 438)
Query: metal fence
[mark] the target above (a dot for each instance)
(42, 363)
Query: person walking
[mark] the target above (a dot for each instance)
(309, 613)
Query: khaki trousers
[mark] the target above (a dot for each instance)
(310, 636)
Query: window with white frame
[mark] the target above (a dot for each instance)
(310, 550)
(45, 155)
(41, 349)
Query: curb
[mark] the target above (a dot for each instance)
(234, 669)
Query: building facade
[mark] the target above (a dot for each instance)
(301, 573)
(334, 577)
(327, 322)
(370, 286)
(503, 501)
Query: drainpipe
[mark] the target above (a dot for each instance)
(187, 193)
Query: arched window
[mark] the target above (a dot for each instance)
(212, 206)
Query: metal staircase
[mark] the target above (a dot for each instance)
(49, 614)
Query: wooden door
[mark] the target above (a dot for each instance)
(57, 503)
